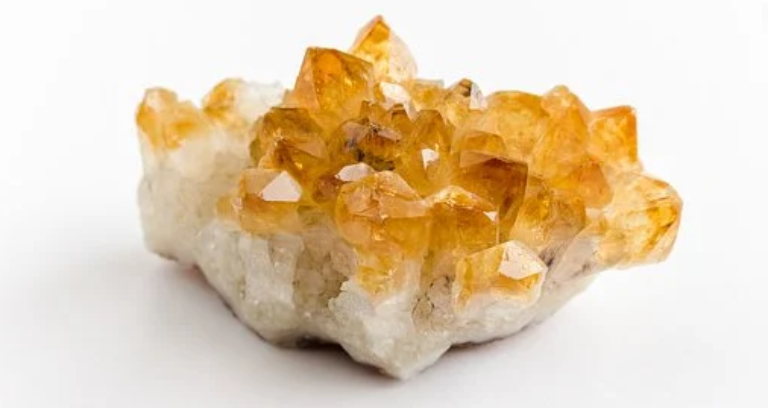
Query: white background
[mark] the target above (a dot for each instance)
(90, 319)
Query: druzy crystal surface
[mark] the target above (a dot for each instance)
(391, 214)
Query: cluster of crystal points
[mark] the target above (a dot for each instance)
(410, 172)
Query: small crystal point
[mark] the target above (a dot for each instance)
(391, 59)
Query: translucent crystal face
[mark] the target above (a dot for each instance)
(413, 172)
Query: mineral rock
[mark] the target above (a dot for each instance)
(391, 214)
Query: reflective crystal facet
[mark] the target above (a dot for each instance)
(509, 270)
(266, 201)
(391, 59)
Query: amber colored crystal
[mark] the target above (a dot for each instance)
(462, 103)
(381, 212)
(518, 118)
(374, 137)
(166, 122)
(548, 217)
(482, 167)
(290, 139)
(426, 94)
(391, 59)
(381, 274)
(613, 138)
(561, 155)
(420, 179)
(640, 225)
(332, 84)
(509, 269)
(220, 105)
(266, 201)
(466, 222)
(424, 156)
(387, 223)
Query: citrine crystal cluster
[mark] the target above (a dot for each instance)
(390, 214)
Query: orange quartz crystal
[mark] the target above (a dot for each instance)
(332, 84)
(166, 122)
(391, 59)
(266, 201)
(221, 105)
(509, 269)
(414, 173)
(388, 223)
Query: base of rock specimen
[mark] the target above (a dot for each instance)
(392, 215)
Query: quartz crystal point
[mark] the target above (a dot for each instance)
(393, 215)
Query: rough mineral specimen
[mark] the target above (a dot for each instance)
(390, 214)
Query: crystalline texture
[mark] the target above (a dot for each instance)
(391, 214)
